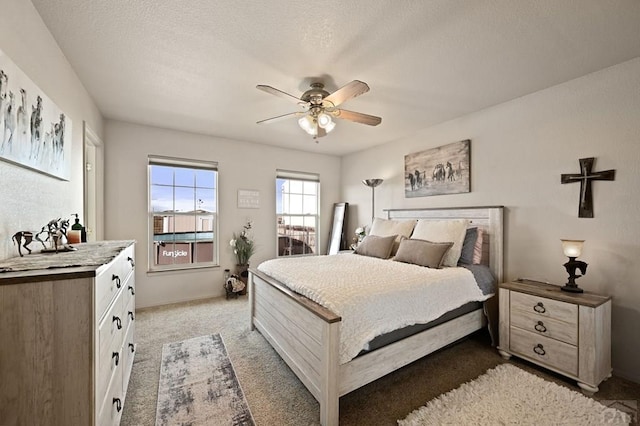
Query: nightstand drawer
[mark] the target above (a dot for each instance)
(550, 327)
(543, 307)
(545, 350)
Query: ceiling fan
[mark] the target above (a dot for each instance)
(319, 106)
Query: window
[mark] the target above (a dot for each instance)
(183, 219)
(297, 200)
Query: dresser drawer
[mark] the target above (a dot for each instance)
(112, 329)
(128, 353)
(546, 326)
(544, 308)
(129, 289)
(112, 403)
(129, 314)
(544, 350)
(109, 364)
(113, 278)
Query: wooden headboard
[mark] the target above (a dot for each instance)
(489, 218)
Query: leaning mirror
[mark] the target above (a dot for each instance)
(337, 239)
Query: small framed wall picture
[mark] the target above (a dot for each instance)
(248, 199)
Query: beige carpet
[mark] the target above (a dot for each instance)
(508, 395)
(276, 397)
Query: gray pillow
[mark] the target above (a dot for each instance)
(375, 246)
(466, 255)
(422, 252)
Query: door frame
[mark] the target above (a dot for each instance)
(93, 184)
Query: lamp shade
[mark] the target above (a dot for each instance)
(372, 183)
(308, 125)
(324, 120)
(572, 248)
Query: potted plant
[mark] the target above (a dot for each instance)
(243, 248)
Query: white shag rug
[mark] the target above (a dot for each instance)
(507, 395)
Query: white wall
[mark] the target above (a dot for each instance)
(30, 199)
(241, 165)
(519, 149)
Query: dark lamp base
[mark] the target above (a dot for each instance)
(572, 288)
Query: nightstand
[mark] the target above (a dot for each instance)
(569, 333)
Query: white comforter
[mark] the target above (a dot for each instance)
(374, 296)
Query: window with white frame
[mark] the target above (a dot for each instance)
(183, 213)
(297, 213)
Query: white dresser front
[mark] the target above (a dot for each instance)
(68, 335)
(115, 288)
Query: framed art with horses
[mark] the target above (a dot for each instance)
(442, 170)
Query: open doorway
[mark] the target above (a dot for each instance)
(93, 185)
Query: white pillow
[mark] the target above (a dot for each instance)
(387, 227)
(441, 231)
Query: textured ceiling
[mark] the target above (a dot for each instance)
(193, 65)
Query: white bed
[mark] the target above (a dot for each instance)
(307, 335)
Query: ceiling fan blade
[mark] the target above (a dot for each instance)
(278, 93)
(346, 92)
(281, 117)
(358, 117)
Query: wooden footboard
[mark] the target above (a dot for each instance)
(307, 337)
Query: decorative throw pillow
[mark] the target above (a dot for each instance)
(477, 248)
(387, 227)
(468, 247)
(440, 231)
(422, 252)
(375, 246)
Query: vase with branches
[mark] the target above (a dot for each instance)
(243, 248)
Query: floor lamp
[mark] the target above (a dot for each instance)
(372, 183)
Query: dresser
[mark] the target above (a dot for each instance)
(67, 325)
(569, 333)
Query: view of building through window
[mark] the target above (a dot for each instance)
(183, 209)
(297, 215)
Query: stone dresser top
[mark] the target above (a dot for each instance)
(80, 263)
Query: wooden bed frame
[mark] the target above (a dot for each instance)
(307, 335)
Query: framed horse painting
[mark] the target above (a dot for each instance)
(442, 170)
(34, 132)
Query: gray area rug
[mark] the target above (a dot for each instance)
(198, 385)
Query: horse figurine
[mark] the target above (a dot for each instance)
(56, 231)
(28, 237)
(58, 234)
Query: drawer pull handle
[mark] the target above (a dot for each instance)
(118, 403)
(539, 349)
(131, 316)
(116, 278)
(539, 308)
(540, 327)
(116, 355)
(131, 262)
(133, 293)
(132, 347)
(118, 322)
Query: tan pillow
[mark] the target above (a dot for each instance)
(422, 252)
(387, 227)
(441, 231)
(375, 246)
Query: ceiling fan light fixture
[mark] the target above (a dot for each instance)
(308, 124)
(324, 120)
(329, 127)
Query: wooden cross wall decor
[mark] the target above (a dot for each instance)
(585, 209)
